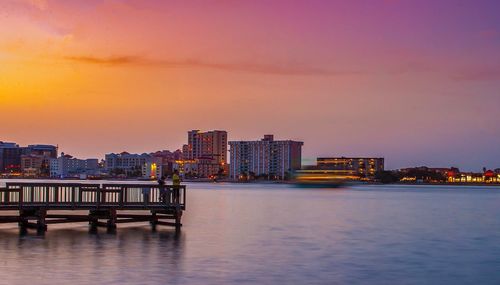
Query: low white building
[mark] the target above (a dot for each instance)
(135, 165)
(68, 166)
(126, 161)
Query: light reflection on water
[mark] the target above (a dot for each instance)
(273, 234)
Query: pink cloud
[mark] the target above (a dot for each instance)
(277, 69)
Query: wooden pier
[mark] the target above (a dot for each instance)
(41, 204)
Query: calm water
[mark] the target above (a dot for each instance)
(272, 234)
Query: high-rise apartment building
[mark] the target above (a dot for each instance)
(267, 157)
(207, 145)
(206, 152)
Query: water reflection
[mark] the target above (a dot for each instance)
(72, 255)
(272, 234)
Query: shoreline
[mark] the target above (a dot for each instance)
(349, 183)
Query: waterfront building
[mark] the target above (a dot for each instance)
(10, 157)
(167, 159)
(206, 167)
(67, 166)
(186, 168)
(49, 151)
(440, 170)
(152, 170)
(363, 167)
(33, 165)
(427, 174)
(208, 150)
(126, 162)
(488, 176)
(35, 160)
(199, 168)
(135, 165)
(211, 144)
(267, 157)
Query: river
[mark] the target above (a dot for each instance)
(275, 234)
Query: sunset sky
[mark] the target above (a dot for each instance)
(417, 82)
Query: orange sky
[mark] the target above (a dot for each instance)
(384, 78)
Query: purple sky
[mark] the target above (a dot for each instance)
(416, 82)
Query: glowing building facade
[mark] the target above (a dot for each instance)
(152, 170)
(364, 167)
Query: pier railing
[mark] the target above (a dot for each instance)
(33, 201)
(92, 196)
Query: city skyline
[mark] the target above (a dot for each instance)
(183, 150)
(415, 82)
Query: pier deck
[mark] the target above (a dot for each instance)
(107, 204)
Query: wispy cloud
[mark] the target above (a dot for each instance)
(115, 60)
(278, 69)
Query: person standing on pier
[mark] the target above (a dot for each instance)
(163, 192)
(145, 195)
(176, 182)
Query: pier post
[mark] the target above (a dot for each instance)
(41, 223)
(112, 219)
(39, 215)
(93, 219)
(154, 220)
(23, 220)
(177, 216)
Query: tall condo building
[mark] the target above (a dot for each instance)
(206, 145)
(275, 159)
